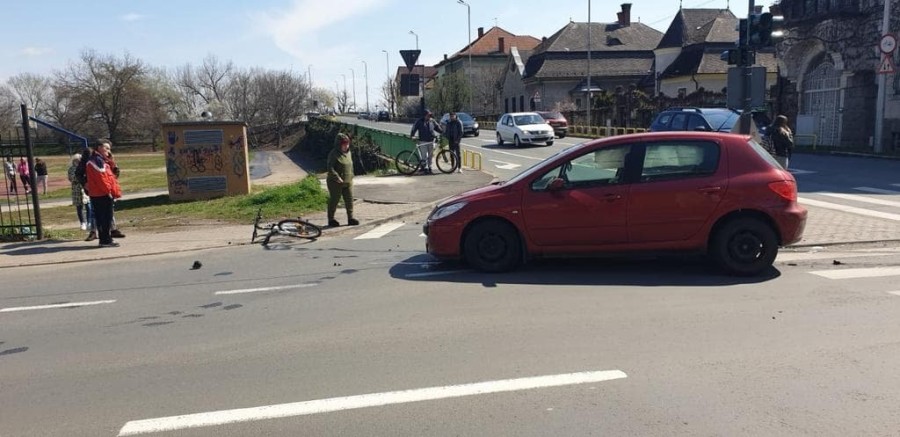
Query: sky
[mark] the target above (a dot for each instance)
(325, 39)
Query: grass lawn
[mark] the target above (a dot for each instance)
(138, 172)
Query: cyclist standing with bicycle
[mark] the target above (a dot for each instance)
(340, 180)
(427, 129)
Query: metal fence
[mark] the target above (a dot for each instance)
(19, 213)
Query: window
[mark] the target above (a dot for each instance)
(696, 121)
(513, 104)
(578, 103)
(506, 104)
(666, 161)
(522, 103)
(678, 121)
(597, 168)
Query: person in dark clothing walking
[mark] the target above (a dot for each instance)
(340, 180)
(427, 128)
(454, 134)
(782, 140)
(40, 169)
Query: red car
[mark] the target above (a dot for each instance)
(557, 121)
(715, 193)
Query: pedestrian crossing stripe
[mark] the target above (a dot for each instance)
(798, 171)
(876, 190)
(850, 209)
(869, 272)
(379, 231)
(863, 199)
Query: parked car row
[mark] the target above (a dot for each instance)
(374, 116)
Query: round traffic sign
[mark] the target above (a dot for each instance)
(888, 43)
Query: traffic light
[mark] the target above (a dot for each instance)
(764, 29)
(741, 56)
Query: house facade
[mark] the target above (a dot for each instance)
(688, 58)
(483, 63)
(554, 75)
(828, 82)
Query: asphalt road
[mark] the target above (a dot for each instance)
(809, 349)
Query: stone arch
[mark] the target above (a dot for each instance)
(821, 98)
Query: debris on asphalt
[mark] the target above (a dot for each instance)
(836, 262)
(196, 265)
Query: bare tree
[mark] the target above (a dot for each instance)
(390, 95)
(343, 100)
(107, 89)
(322, 98)
(8, 109)
(282, 94)
(205, 87)
(243, 97)
(33, 90)
(486, 89)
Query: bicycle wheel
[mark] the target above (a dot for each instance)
(447, 161)
(407, 162)
(299, 229)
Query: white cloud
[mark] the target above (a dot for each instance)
(132, 17)
(307, 29)
(35, 51)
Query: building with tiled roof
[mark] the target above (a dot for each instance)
(688, 57)
(487, 54)
(556, 72)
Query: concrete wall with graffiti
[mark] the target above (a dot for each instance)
(206, 160)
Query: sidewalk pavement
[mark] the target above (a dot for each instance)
(378, 200)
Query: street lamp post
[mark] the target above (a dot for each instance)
(345, 92)
(589, 69)
(469, 49)
(366, 75)
(353, 75)
(387, 63)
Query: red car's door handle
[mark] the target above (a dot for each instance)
(612, 197)
(710, 190)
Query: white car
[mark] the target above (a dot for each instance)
(524, 128)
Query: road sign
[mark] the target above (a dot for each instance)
(887, 64)
(735, 93)
(888, 43)
(410, 57)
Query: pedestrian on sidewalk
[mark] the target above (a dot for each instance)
(427, 129)
(80, 200)
(782, 140)
(103, 187)
(9, 169)
(40, 169)
(454, 134)
(24, 174)
(115, 232)
(340, 180)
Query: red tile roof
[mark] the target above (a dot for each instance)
(489, 43)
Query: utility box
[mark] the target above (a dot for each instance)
(205, 160)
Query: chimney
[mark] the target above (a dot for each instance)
(480, 32)
(501, 43)
(445, 56)
(625, 15)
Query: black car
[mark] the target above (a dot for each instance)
(709, 119)
(383, 116)
(470, 126)
(703, 119)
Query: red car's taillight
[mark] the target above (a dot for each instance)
(785, 189)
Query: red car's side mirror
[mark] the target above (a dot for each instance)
(556, 184)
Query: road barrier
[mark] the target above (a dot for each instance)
(471, 159)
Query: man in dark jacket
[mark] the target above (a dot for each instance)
(427, 128)
(454, 134)
(340, 180)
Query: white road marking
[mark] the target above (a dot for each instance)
(222, 417)
(784, 257)
(850, 209)
(870, 272)
(422, 235)
(798, 171)
(379, 231)
(895, 293)
(895, 185)
(443, 272)
(255, 290)
(506, 165)
(381, 181)
(863, 199)
(482, 149)
(58, 305)
(876, 190)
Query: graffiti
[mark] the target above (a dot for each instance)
(238, 163)
(172, 137)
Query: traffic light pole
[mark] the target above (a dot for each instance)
(746, 63)
(878, 141)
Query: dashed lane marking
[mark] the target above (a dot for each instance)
(797, 171)
(870, 272)
(380, 231)
(850, 209)
(256, 290)
(895, 293)
(58, 305)
(175, 423)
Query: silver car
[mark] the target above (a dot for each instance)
(524, 128)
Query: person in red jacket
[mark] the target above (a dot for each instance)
(103, 187)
